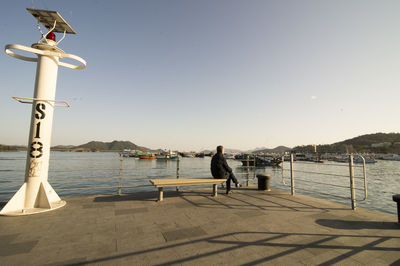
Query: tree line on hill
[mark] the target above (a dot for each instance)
(8, 148)
(94, 146)
(370, 143)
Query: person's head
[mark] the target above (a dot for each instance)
(220, 149)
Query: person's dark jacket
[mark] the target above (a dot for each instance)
(219, 166)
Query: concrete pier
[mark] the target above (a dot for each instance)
(248, 227)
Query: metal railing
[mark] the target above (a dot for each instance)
(318, 177)
(352, 186)
(119, 177)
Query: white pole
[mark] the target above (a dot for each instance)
(352, 186)
(37, 162)
(36, 194)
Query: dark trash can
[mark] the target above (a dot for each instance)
(263, 182)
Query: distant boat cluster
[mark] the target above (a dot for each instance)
(167, 155)
(263, 159)
(276, 159)
(164, 155)
(340, 158)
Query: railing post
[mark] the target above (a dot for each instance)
(177, 170)
(365, 178)
(248, 170)
(121, 158)
(292, 175)
(254, 174)
(283, 168)
(352, 188)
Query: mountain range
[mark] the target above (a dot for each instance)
(105, 146)
(375, 143)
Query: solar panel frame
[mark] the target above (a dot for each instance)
(47, 18)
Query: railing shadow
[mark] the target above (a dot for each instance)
(233, 242)
(244, 202)
(271, 201)
(137, 196)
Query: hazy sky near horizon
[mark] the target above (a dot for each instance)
(191, 75)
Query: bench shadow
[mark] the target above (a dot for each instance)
(148, 196)
(137, 196)
(357, 225)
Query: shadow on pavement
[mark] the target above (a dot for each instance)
(351, 225)
(148, 196)
(285, 244)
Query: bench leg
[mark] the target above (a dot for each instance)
(160, 194)
(215, 190)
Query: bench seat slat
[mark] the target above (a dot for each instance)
(184, 181)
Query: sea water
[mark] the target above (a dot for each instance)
(77, 173)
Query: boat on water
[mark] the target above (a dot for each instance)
(356, 159)
(146, 156)
(128, 153)
(167, 156)
(229, 156)
(243, 156)
(390, 157)
(187, 155)
(263, 161)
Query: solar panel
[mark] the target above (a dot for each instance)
(47, 18)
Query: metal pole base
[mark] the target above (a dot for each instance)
(46, 200)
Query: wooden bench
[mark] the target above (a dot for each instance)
(176, 182)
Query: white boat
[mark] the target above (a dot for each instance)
(356, 159)
(392, 157)
(167, 156)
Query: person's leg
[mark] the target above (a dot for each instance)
(233, 178)
(228, 183)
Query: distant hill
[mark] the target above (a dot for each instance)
(373, 143)
(103, 146)
(279, 149)
(8, 148)
(366, 141)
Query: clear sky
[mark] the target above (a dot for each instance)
(190, 75)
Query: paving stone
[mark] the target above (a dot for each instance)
(10, 245)
(247, 227)
(183, 233)
(130, 211)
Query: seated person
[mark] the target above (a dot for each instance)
(221, 170)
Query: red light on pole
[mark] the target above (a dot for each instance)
(51, 36)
